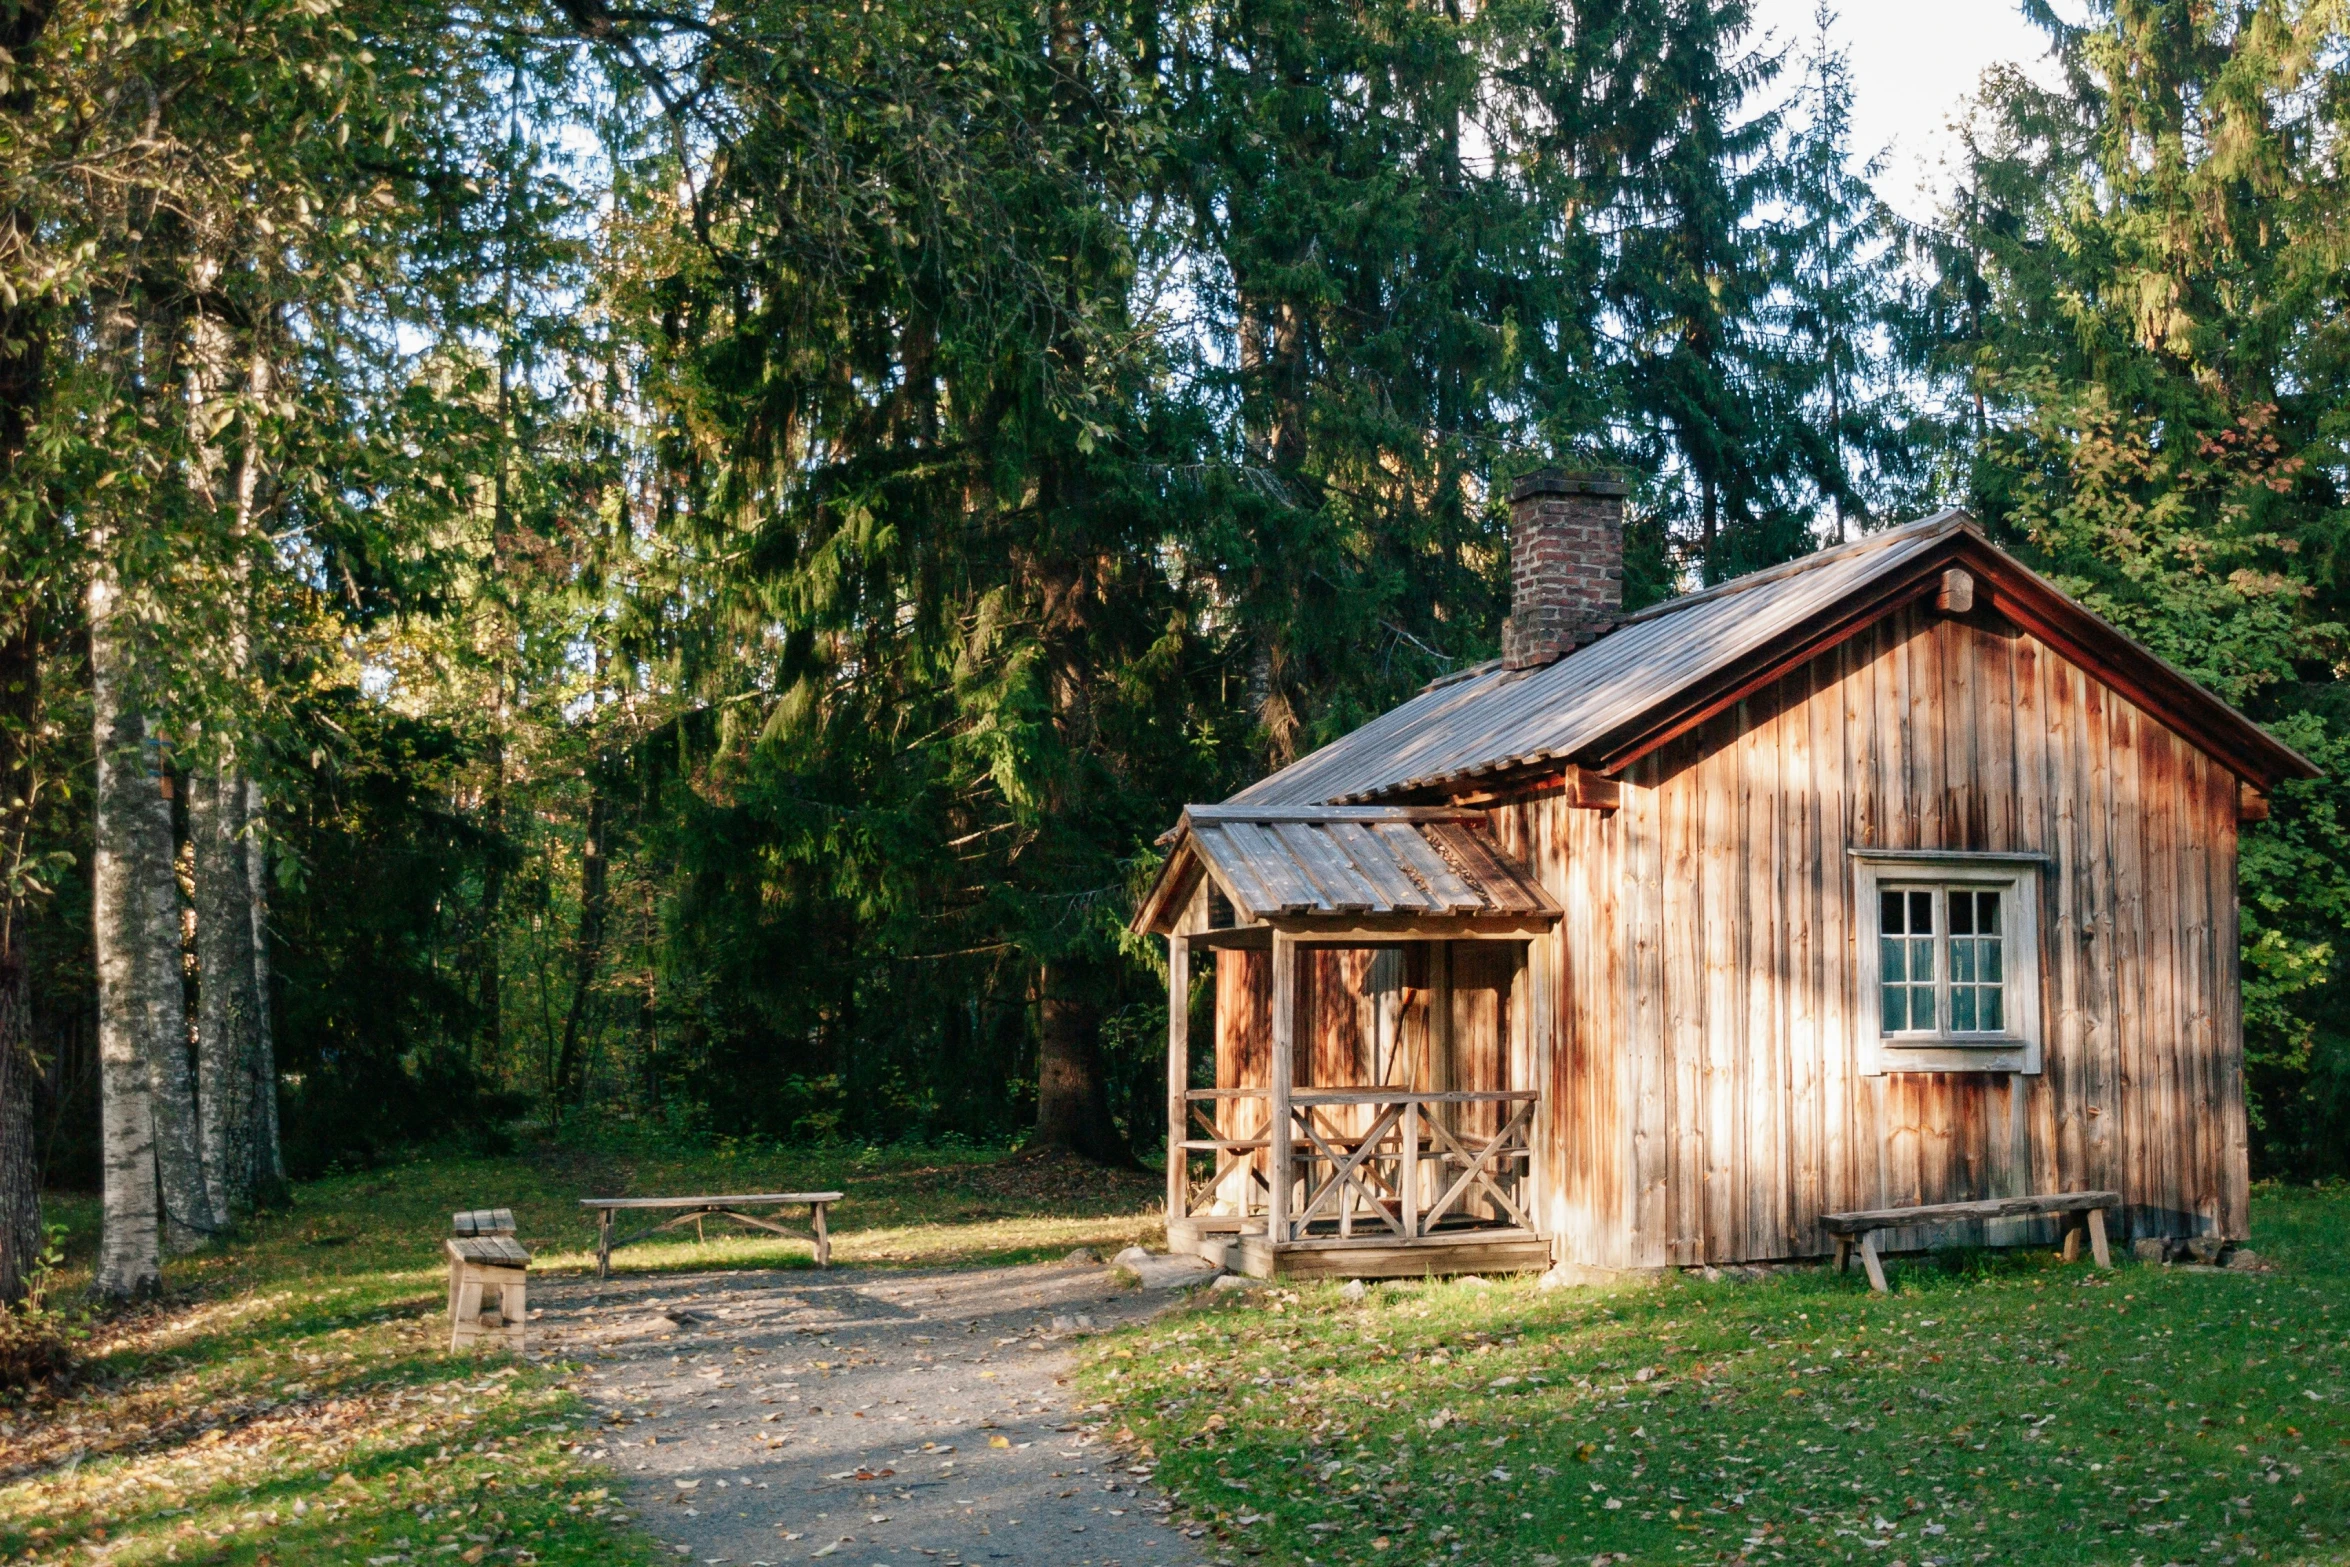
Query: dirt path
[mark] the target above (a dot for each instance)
(874, 1419)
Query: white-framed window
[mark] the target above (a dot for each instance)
(1949, 960)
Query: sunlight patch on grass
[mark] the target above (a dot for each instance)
(294, 1402)
(1999, 1408)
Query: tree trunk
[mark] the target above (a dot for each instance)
(268, 1179)
(130, 867)
(179, 1157)
(226, 1004)
(594, 880)
(489, 999)
(20, 1184)
(24, 352)
(1072, 1100)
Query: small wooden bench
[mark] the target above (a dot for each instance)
(697, 1209)
(485, 1256)
(1862, 1227)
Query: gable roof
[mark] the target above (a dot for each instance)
(1356, 861)
(1662, 671)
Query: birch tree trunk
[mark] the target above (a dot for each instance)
(127, 867)
(228, 994)
(269, 1161)
(179, 1158)
(226, 1043)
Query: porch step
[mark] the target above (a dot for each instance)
(1512, 1251)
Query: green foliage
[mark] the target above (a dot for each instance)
(767, 510)
(2136, 296)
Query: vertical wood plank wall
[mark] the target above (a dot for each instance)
(1706, 1099)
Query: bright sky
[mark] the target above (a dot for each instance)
(1912, 60)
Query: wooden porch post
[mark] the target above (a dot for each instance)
(1277, 1131)
(1178, 1076)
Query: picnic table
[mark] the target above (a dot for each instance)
(694, 1210)
(1862, 1226)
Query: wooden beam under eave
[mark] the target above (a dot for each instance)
(1342, 930)
(2251, 803)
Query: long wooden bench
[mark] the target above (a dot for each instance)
(697, 1209)
(1859, 1230)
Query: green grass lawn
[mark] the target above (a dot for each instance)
(292, 1401)
(1996, 1408)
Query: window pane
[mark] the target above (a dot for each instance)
(1889, 913)
(1921, 959)
(1994, 1020)
(1921, 913)
(1889, 959)
(1991, 964)
(1896, 1004)
(1921, 1008)
(1962, 961)
(1987, 913)
(1962, 914)
(1962, 1009)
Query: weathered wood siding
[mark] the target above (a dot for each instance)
(1706, 1101)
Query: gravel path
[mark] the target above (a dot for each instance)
(875, 1419)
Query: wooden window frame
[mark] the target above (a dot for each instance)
(2017, 1050)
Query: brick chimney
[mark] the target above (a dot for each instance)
(1566, 564)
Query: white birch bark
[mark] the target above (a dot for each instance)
(179, 1160)
(269, 1160)
(130, 1249)
(225, 1043)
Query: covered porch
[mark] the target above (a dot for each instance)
(1371, 1110)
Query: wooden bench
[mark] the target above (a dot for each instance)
(1862, 1227)
(697, 1209)
(484, 1256)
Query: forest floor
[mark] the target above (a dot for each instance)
(1997, 1407)
(292, 1400)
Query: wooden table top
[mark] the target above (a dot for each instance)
(742, 1200)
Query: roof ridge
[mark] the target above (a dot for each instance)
(1950, 518)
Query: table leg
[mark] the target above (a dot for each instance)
(823, 1237)
(2072, 1240)
(603, 1244)
(1843, 1253)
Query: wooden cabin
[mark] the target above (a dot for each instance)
(1888, 877)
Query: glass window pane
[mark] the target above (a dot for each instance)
(1962, 962)
(1962, 1009)
(1994, 1018)
(1987, 913)
(1921, 913)
(1889, 959)
(1991, 964)
(1896, 1008)
(1921, 1009)
(1889, 913)
(1921, 959)
(1962, 914)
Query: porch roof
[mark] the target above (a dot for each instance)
(1347, 862)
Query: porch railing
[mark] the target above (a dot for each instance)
(1383, 1166)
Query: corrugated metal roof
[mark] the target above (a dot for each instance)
(1493, 719)
(1360, 860)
